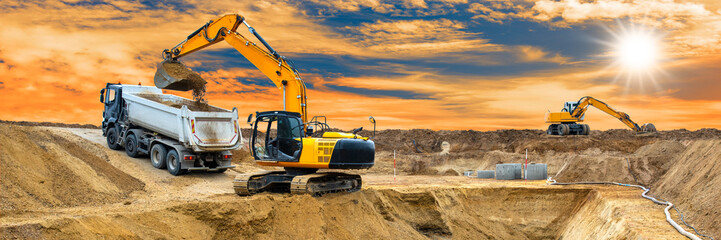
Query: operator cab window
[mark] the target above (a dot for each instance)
(265, 133)
(277, 138)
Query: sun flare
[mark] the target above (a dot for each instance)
(637, 51)
(637, 54)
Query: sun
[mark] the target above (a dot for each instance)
(637, 54)
(637, 51)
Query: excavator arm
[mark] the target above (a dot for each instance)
(274, 66)
(584, 102)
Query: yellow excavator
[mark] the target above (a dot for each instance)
(279, 138)
(565, 122)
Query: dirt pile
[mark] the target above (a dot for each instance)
(188, 77)
(50, 124)
(180, 102)
(42, 169)
(693, 182)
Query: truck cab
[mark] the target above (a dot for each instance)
(111, 98)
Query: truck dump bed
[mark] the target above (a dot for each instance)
(200, 127)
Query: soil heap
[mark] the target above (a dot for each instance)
(184, 74)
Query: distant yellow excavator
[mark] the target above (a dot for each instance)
(279, 138)
(565, 122)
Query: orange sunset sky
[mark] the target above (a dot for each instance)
(449, 64)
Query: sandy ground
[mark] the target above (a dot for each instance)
(65, 183)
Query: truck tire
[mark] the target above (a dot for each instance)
(112, 138)
(586, 129)
(131, 145)
(560, 130)
(158, 154)
(173, 163)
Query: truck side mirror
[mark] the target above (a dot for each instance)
(250, 119)
(102, 95)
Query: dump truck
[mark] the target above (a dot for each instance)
(179, 134)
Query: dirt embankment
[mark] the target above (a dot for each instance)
(679, 165)
(50, 124)
(428, 213)
(58, 185)
(40, 168)
(517, 141)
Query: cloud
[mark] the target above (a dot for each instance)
(575, 11)
(693, 29)
(356, 5)
(535, 54)
(420, 38)
(497, 11)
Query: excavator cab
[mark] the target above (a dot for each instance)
(570, 106)
(277, 136)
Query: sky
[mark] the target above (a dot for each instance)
(448, 64)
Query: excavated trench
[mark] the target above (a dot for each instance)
(410, 213)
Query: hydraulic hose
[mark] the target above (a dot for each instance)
(668, 204)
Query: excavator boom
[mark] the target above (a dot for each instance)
(584, 102)
(274, 66)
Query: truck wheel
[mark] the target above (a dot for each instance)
(560, 130)
(131, 145)
(112, 138)
(173, 163)
(158, 154)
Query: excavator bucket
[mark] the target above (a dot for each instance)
(173, 75)
(648, 127)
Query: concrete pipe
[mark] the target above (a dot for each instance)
(537, 171)
(508, 171)
(486, 174)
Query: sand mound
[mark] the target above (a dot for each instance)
(51, 124)
(40, 168)
(693, 182)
